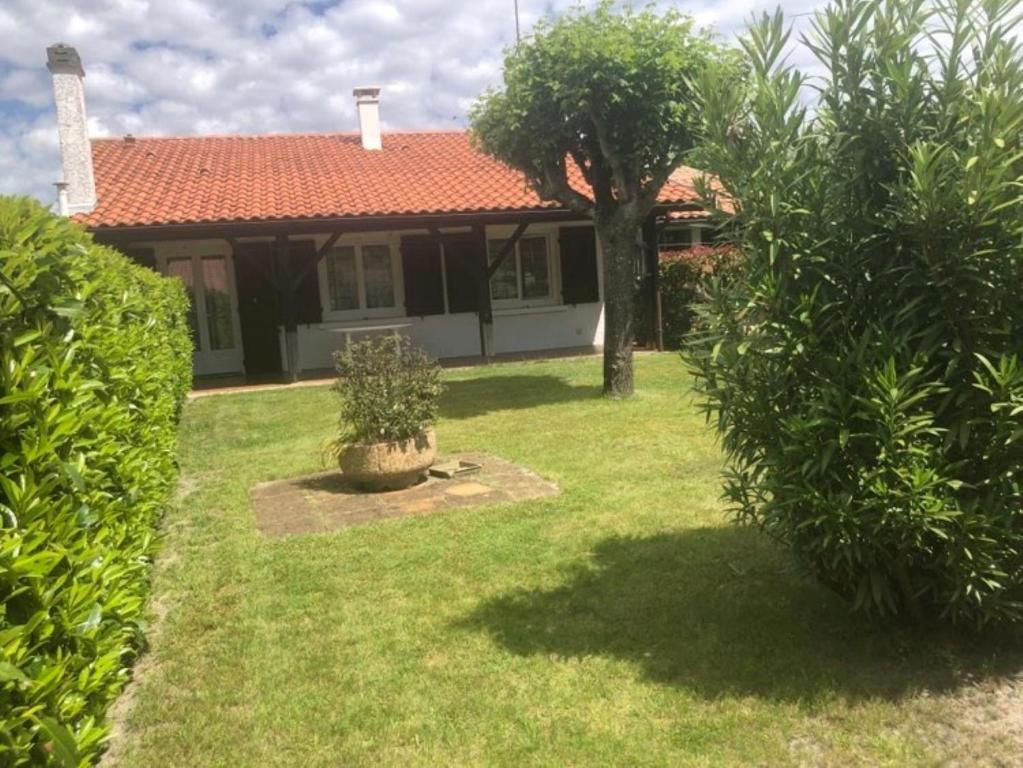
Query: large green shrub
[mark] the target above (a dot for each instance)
(865, 370)
(95, 359)
(389, 391)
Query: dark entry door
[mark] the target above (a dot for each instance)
(424, 279)
(579, 281)
(258, 307)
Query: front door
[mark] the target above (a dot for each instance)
(258, 308)
(213, 313)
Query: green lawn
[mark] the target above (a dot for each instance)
(624, 622)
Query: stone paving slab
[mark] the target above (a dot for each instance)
(326, 501)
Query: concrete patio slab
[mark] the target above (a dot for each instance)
(325, 501)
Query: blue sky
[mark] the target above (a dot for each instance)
(176, 67)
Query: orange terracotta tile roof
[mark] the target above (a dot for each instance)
(688, 177)
(211, 179)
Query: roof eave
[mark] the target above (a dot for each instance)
(307, 226)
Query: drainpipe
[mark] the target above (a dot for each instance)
(63, 205)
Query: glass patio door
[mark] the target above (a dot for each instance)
(213, 315)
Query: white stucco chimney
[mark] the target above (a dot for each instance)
(75, 150)
(367, 101)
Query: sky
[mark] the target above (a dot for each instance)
(186, 67)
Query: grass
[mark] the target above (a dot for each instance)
(624, 622)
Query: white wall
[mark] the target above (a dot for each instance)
(440, 335)
(554, 328)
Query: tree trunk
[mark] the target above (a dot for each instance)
(620, 247)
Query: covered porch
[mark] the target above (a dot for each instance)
(273, 301)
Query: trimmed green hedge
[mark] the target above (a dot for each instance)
(95, 361)
(681, 273)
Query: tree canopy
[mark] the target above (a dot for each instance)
(607, 89)
(602, 98)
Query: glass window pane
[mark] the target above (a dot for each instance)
(341, 278)
(215, 284)
(533, 257)
(677, 237)
(505, 282)
(376, 271)
(182, 269)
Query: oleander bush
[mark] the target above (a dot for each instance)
(95, 361)
(865, 368)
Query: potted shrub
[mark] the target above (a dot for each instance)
(389, 390)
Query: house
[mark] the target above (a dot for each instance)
(292, 245)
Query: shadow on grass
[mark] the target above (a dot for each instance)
(476, 397)
(718, 611)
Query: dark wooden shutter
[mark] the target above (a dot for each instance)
(258, 306)
(424, 283)
(578, 247)
(463, 264)
(304, 260)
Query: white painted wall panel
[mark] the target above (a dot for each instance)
(440, 335)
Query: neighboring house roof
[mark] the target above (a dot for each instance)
(688, 177)
(217, 179)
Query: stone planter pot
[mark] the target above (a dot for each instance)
(389, 466)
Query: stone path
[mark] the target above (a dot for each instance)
(325, 502)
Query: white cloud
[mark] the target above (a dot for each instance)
(250, 66)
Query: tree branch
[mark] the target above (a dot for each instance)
(586, 168)
(648, 198)
(601, 184)
(618, 172)
(553, 185)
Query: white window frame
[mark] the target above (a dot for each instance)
(363, 312)
(553, 276)
(206, 361)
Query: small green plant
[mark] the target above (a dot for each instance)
(389, 391)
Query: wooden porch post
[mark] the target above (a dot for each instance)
(489, 270)
(486, 308)
(653, 263)
(286, 286)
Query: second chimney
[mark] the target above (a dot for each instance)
(367, 101)
(75, 150)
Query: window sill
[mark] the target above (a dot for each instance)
(355, 323)
(362, 316)
(540, 309)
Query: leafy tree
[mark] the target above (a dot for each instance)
(597, 111)
(865, 370)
